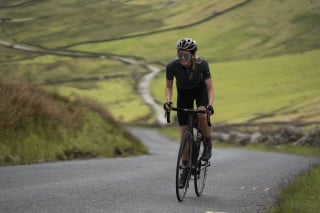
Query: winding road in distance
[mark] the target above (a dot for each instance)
(239, 181)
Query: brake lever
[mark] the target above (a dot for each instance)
(167, 115)
(208, 119)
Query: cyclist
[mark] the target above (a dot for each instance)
(193, 83)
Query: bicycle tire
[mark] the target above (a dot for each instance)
(200, 177)
(200, 174)
(185, 144)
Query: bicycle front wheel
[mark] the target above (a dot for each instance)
(183, 166)
(200, 177)
(201, 173)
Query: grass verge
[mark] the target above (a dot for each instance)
(303, 195)
(37, 126)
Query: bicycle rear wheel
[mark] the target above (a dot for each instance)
(184, 154)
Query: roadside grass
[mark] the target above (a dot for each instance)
(302, 195)
(37, 126)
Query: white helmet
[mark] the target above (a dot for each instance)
(187, 44)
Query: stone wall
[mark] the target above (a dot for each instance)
(287, 134)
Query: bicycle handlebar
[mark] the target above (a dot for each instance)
(188, 111)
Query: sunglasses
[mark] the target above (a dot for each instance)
(187, 56)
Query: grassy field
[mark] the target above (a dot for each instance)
(263, 54)
(237, 32)
(287, 87)
(117, 95)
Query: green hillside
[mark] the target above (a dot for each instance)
(283, 88)
(74, 47)
(37, 126)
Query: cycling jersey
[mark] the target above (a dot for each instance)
(190, 85)
(182, 74)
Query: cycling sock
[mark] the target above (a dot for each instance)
(207, 140)
(184, 162)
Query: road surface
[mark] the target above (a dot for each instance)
(239, 181)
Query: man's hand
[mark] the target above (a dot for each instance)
(167, 106)
(210, 109)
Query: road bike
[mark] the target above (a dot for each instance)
(190, 147)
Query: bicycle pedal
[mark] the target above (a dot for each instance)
(206, 163)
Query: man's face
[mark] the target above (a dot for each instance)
(184, 57)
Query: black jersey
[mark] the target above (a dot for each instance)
(187, 78)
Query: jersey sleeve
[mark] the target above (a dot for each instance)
(206, 70)
(169, 72)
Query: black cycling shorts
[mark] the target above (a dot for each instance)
(186, 98)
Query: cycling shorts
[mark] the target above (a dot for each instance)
(186, 99)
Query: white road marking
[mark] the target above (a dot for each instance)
(267, 189)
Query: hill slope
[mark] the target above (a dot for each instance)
(77, 53)
(37, 126)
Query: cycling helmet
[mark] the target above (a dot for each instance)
(187, 44)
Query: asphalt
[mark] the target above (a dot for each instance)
(238, 181)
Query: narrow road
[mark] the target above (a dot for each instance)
(239, 181)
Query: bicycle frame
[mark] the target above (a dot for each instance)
(192, 113)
